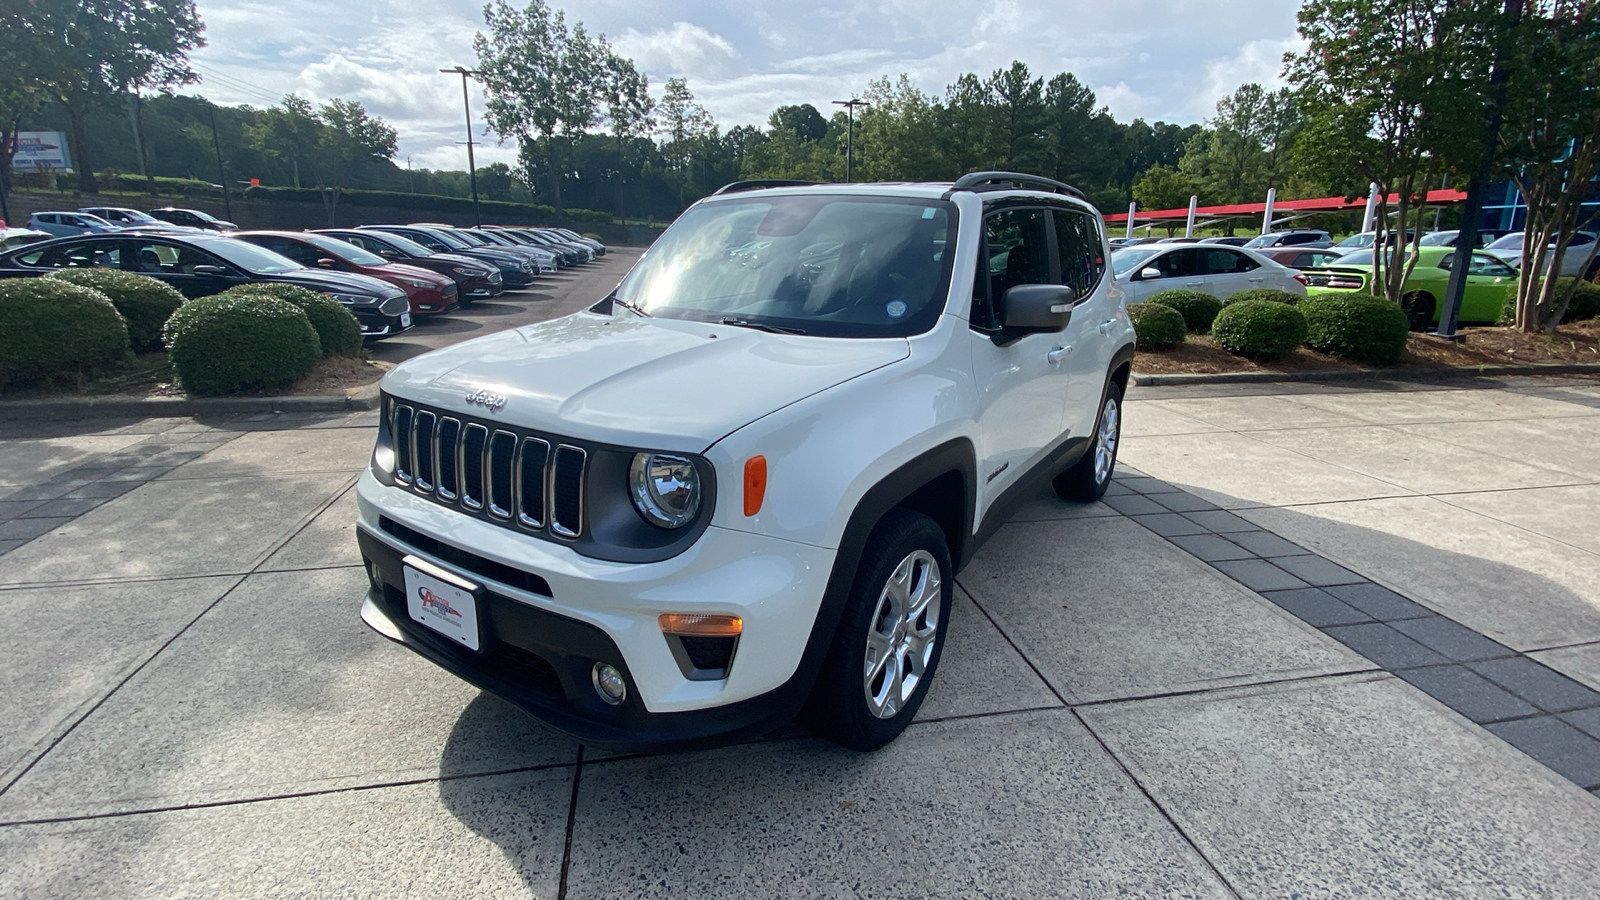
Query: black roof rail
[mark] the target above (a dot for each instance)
(993, 181)
(734, 187)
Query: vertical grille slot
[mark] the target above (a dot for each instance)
(473, 443)
(446, 442)
(530, 482)
(566, 488)
(422, 450)
(502, 455)
(400, 431)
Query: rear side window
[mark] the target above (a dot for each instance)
(1080, 251)
(1228, 262)
(77, 255)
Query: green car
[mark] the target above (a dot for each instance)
(1489, 283)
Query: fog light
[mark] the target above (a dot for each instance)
(609, 683)
(372, 576)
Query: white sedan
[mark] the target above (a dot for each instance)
(1217, 270)
(1578, 260)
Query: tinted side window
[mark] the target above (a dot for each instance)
(1080, 251)
(77, 255)
(1227, 262)
(1018, 248)
(1180, 263)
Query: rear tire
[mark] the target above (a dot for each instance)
(1086, 481)
(890, 637)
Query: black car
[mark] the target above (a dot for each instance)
(204, 264)
(515, 270)
(192, 218)
(540, 258)
(475, 278)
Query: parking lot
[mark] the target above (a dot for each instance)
(1318, 640)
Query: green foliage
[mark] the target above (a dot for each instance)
(1259, 328)
(227, 344)
(337, 330)
(1156, 327)
(1246, 149)
(1164, 187)
(1356, 326)
(144, 302)
(1198, 308)
(1585, 302)
(54, 329)
(1270, 295)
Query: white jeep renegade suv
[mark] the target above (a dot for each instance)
(740, 487)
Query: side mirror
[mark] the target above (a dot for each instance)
(1036, 308)
(389, 254)
(326, 263)
(209, 270)
(1149, 272)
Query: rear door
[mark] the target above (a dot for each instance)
(1231, 271)
(193, 272)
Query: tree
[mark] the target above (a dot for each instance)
(21, 59)
(1019, 114)
(684, 126)
(803, 121)
(1079, 140)
(897, 134)
(1246, 148)
(1164, 187)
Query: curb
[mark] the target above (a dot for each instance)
(365, 398)
(1152, 380)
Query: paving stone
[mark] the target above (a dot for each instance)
(1378, 601)
(1317, 571)
(136, 474)
(1221, 521)
(1182, 502)
(28, 529)
(1147, 485)
(1454, 640)
(1265, 543)
(100, 490)
(1585, 720)
(1211, 548)
(1169, 524)
(1468, 693)
(1259, 575)
(8, 546)
(61, 509)
(1556, 744)
(1384, 646)
(12, 509)
(1115, 489)
(39, 492)
(1133, 504)
(1543, 687)
(1317, 607)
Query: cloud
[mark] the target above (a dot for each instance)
(1259, 61)
(682, 49)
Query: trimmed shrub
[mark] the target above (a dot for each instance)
(1259, 328)
(1156, 327)
(144, 302)
(337, 329)
(1271, 295)
(1198, 308)
(1585, 303)
(1356, 326)
(226, 344)
(54, 329)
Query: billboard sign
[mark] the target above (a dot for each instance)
(37, 149)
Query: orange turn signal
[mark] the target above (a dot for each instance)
(755, 484)
(695, 625)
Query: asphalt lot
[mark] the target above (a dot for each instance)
(1319, 640)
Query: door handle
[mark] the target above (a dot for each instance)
(1194, 284)
(1058, 354)
(1105, 326)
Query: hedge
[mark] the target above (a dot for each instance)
(55, 329)
(1356, 326)
(1585, 303)
(1261, 328)
(1198, 308)
(337, 330)
(1271, 295)
(144, 302)
(1156, 327)
(227, 344)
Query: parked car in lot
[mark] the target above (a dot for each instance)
(67, 224)
(16, 237)
(742, 486)
(548, 260)
(204, 264)
(429, 293)
(565, 253)
(1300, 237)
(516, 271)
(1575, 262)
(135, 218)
(1226, 240)
(1213, 269)
(192, 218)
(1489, 282)
(578, 252)
(1448, 238)
(1363, 240)
(598, 248)
(1301, 257)
(475, 279)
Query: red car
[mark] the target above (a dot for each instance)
(429, 292)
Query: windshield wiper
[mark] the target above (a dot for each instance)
(759, 326)
(630, 307)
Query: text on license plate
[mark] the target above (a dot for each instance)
(446, 607)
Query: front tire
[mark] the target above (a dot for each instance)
(890, 637)
(1419, 309)
(1086, 481)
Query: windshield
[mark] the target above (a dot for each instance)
(348, 252)
(1364, 239)
(449, 240)
(1363, 258)
(1509, 242)
(404, 245)
(468, 238)
(249, 257)
(831, 265)
(1264, 240)
(1438, 238)
(1125, 261)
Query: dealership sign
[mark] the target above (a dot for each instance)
(41, 150)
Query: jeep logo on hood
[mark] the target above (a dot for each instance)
(487, 399)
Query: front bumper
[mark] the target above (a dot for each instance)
(377, 325)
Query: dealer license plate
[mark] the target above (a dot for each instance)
(444, 603)
(405, 320)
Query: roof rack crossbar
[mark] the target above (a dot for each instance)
(736, 186)
(978, 181)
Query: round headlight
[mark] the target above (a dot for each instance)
(665, 488)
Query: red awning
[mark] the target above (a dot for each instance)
(1321, 204)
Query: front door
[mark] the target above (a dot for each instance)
(1080, 250)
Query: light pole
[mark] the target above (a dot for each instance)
(472, 165)
(849, 132)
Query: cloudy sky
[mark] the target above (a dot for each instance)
(1155, 59)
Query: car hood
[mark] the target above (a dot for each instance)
(454, 259)
(403, 270)
(658, 384)
(341, 282)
